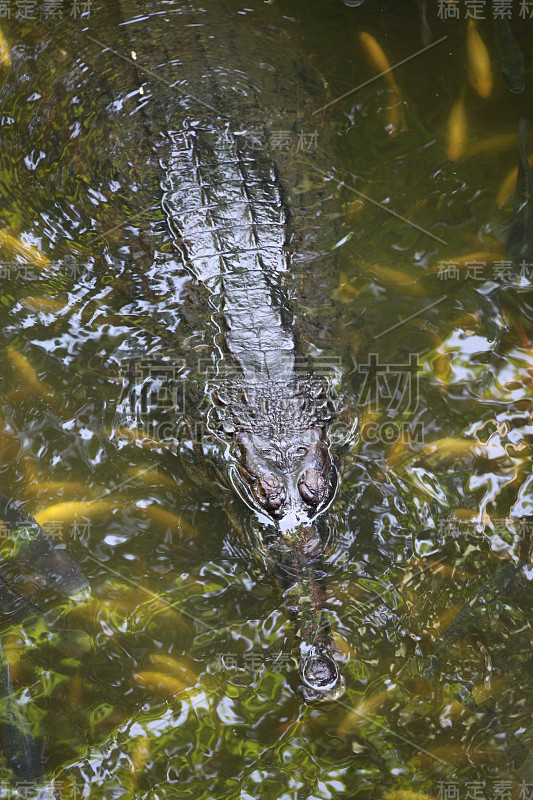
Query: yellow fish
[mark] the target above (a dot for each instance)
(406, 794)
(354, 208)
(177, 668)
(45, 304)
(13, 648)
(442, 367)
(156, 604)
(139, 757)
(486, 691)
(165, 519)
(30, 253)
(56, 487)
(153, 477)
(5, 57)
(457, 130)
(31, 382)
(402, 281)
(343, 647)
(464, 262)
(502, 141)
(159, 683)
(400, 451)
(508, 187)
(464, 514)
(129, 605)
(380, 62)
(377, 58)
(445, 619)
(24, 369)
(446, 449)
(468, 321)
(345, 291)
(440, 361)
(394, 113)
(362, 711)
(479, 69)
(67, 513)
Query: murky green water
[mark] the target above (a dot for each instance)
(176, 674)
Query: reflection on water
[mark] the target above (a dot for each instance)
(177, 674)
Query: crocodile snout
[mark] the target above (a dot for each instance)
(286, 479)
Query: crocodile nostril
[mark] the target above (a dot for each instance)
(312, 486)
(269, 491)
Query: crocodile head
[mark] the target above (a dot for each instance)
(291, 479)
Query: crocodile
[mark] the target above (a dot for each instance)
(213, 93)
(228, 205)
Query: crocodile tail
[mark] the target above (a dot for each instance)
(319, 674)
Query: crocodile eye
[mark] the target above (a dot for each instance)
(299, 452)
(267, 455)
